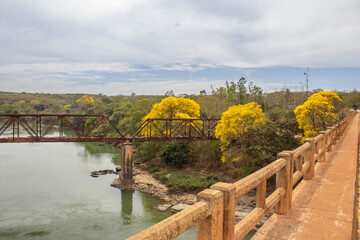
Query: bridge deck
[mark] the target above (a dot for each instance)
(322, 208)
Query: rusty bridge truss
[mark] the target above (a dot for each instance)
(99, 128)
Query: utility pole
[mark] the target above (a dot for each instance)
(307, 78)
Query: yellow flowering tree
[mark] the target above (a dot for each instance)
(317, 113)
(85, 99)
(234, 124)
(67, 108)
(88, 105)
(175, 108)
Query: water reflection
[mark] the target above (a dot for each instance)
(59, 200)
(126, 206)
(95, 152)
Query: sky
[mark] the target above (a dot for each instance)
(118, 47)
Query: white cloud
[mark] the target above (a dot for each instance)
(252, 34)
(40, 38)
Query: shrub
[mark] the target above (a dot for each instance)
(191, 182)
(175, 154)
(147, 151)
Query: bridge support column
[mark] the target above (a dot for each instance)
(126, 177)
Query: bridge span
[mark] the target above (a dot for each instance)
(99, 128)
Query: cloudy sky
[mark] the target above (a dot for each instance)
(152, 46)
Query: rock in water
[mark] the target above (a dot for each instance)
(179, 207)
(102, 172)
(163, 207)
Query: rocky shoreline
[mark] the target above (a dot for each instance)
(146, 183)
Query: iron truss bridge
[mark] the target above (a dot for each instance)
(99, 128)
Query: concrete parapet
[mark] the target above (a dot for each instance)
(207, 214)
(176, 224)
(250, 182)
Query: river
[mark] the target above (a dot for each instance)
(46, 192)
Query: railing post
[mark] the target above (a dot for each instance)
(337, 132)
(229, 191)
(334, 134)
(211, 228)
(284, 179)
(330, 137)
(324, 141)
(126, 177)
(310, 157)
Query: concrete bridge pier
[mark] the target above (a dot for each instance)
(126, 176)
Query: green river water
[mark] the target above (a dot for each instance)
(46, 192)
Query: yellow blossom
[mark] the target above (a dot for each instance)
(174, 108)
(85, 99)
(317, 113)
(235, 122)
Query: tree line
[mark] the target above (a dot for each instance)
(255, 147)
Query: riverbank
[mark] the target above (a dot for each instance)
(146, 183)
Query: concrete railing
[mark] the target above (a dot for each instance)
(207, 214)
(263, 204)
(214, 213)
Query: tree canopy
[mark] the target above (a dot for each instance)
(85, 99)
(317, 113)
(173, 107)
(235, 122)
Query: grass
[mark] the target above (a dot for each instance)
(177, 179)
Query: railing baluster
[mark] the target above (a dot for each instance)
(261, 195)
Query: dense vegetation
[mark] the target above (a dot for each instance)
(192, 165)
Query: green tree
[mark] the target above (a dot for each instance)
(236, 92)
(255, 93)
(263, 143)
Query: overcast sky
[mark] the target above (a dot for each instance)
(152, 46)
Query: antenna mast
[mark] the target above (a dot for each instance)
(307, 78)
